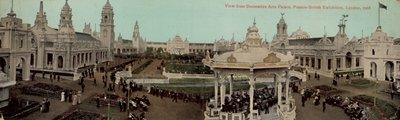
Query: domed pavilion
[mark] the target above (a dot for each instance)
(254, 61)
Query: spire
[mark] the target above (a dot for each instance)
(324, 31)
(12, 14)
(254, 22)
(41, 9)
(12, 6)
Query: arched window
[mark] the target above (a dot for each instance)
(21, 44)
(373, 52)
(387, 52)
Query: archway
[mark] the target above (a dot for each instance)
(60, 62)
(389, 70)
(21, 70)
(373, 70)
(118, 51)
(348, 59)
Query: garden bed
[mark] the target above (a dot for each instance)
(111, 97)
(383, 109)
(361, 83)
(188, 68)
(142, 67)
(326, 90)
(80, 115)
(44, 90)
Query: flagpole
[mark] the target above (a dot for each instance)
(379, 15)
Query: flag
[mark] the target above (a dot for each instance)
(382, 6)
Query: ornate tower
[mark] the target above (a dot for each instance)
(87, 29)
(281, 35)
(41, 20)
(65, 28)
(107, 29)
(137, 40)
(341, 38)
(253, 39)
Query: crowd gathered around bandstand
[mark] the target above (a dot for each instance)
(264, 99)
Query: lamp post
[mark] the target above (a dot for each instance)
(108, 113)
(127, 102)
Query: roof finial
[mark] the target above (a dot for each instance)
(282, 14)
(324, 31)
(12, 6)
(254, 22)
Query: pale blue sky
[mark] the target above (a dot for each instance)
(207, 20)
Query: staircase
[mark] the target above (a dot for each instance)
(272, 115)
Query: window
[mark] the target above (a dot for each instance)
(338, 62)
(387, 52)
(373, 52)
(357, 62)
(329, 64)
(21, 44)
(319, 63)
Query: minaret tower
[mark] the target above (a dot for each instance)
(65, 28)
(341, 37)
(107, 28)
(138, 42)
(281, 34)
(41, 20)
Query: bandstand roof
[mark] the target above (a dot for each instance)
(251, 56)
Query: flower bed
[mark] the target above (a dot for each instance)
(111, 97)
(43, 90)
(327, 90)
(384, 109)
(80, 115)
(188, 68)
(142, 67)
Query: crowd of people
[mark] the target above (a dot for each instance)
(45, 105)
(351, 107)
(308, 93)
(240, 101)
(176, 95)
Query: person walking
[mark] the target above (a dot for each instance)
(323, 105)
(94, 82)
(83, 87)
(392, 94)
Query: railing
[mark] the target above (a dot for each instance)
(290, 114)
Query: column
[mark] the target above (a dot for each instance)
(26, 69)
(222, 88)
(304, 61)
(230, 86)
(216, 91)
(286, 87)
(334, 66)
(309, 62)
(343, 62)
(279, 90)
(251, 93)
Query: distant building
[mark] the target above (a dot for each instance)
(326, 55)
(64, 49)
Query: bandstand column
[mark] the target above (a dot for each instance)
(279, 90)
(230, 86)
(223, 88)
(286, 87)
(216, 91)
(251, 92)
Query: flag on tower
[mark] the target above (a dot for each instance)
(382, 6)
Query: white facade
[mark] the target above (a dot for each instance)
(14, 53)
(326, 55)
(381, 57)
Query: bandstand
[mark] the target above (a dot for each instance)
(254, 61)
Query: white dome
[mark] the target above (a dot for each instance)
(300, 34)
